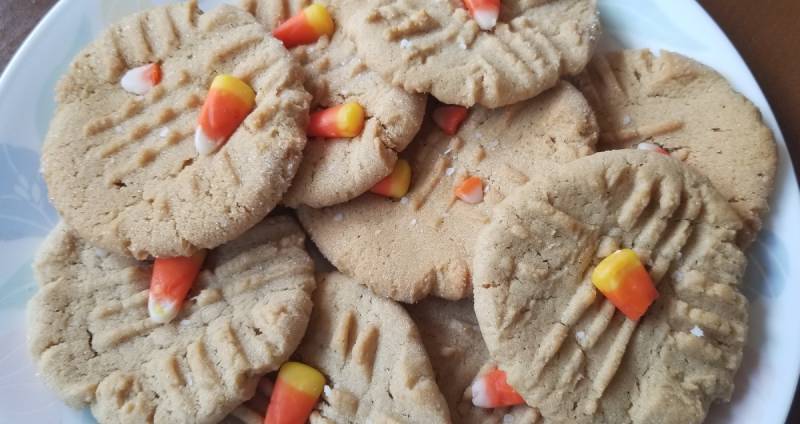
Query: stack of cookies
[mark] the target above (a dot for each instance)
(470, 169)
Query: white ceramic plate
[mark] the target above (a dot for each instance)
(765, 384)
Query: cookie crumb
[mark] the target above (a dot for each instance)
(164, 132)
(404, 43)
(449, 171)
(404, 200)
(697, 331)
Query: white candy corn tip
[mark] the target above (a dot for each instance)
(650, 147)
(161, 311)
(486, 19)
(203, 143)
(137, 80)
(473, 196)
(480, 397)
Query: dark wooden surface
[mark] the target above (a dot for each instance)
(766, 32)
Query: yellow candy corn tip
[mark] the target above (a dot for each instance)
(607, 275)
(235, 86)
(302, 377)
(403, 172)
(350, 119)
(161, 311)
(319, 19)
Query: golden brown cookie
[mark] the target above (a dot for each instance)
(454, 343)
(422, 244)
(436, 47)
(337, 170)
(94, 344)
(122, 168)
(564, 347)
(691, 111)
(370, 351)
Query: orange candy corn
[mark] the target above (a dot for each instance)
(141, 79)
(306, 27)
(625, 282)
(295, 394)
(492, 391)
(449, 118)
(228, 102)
(395, 184)
(485, 12)
(171, 281)
(343, 121)
(650, 147)
(470, 190)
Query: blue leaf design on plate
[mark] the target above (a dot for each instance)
(25, 210)
(18, 288)
(766, 269)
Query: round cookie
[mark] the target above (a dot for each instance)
(337, 170)
(94, 344)
(564, 347)
(691, 111)
(372, 356)
(454, 343)
(422, 245)
(123, 170)
(436, 47)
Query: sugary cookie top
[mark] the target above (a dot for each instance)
(94, 344)
(122, 168)
(420, 245)
(437, 47)
(564, 346)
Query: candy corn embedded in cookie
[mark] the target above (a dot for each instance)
(229, 101)
(622, 278)
(470, 190)
(306, 27)
(141, 79)
(171, 281)
(395, 184)
(651, 147)
(343, 121)
(491, 390)
(449, 118)
(485, 12)
(295, 394)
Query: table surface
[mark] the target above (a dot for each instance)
(765, 32)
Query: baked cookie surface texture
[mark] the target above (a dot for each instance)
(122, 168)
(339, 169)
(422, 244)
(436, 47)
(564, 347)
(94, 344)
(691, 111)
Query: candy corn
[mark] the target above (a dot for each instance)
(485, 12)
(395, 184)
(470, 190)
(172, 278)
(306, 27)
(491, 391)
(652, 148)
(621, 277)
(141, 79)
(228, 102)
(295, 394)
(343, 121)
(449, 118)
